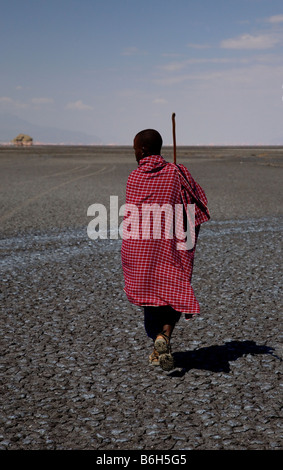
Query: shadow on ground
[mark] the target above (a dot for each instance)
(216, 358)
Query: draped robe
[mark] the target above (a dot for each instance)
(156, 271)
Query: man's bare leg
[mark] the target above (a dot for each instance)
(167, 330)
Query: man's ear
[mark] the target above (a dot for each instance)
(145, 151)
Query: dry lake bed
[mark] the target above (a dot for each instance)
(74, 354)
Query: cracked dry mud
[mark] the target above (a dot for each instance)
(74, 354)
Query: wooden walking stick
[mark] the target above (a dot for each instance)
(174, 136)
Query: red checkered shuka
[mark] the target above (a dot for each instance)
(155, 271)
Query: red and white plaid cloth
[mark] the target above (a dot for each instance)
(155, 272)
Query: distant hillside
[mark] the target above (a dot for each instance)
(10, 126)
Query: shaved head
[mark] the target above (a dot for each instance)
(147, 142)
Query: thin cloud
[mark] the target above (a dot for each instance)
(247, 41)
(244, 74)
(79, 105)
(6, 101)
(174, 66)
(177, 66)
(275, 19)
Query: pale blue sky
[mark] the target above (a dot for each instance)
(111, 68)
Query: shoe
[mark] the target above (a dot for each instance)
(154, 358)
(162, 343)
(162, 346)
(166, 361)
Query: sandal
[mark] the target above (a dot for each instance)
(166, 361)
(162, 343)
(154, 358)
(162, 346)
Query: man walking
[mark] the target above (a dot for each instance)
(158, 269)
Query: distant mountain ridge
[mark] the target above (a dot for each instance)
(11, 126)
